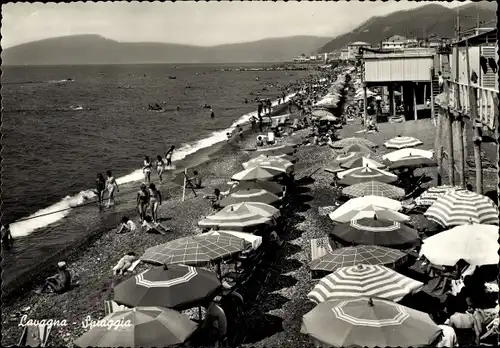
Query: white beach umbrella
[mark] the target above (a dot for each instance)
(362, 202)
(404, 153)
(401, 142)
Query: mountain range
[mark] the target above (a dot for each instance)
(427, 20)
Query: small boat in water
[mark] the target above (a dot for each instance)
(172, 77)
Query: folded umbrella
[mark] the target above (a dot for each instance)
(369, 322)
(197, 251)
(250, 195)
(363, 280)
(460, 207)
(376, 231)
(363, 174)
(140, 327)
(374, 188)
(477, 244)
(398, 154)
(360, 254)
(353, 141)
(400, 142)
(360, 203)
(176, 286)
(269, 186)
(256, 173)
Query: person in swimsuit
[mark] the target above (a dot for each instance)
(147, 169)
(212, 114)
(155, 200)
(160, 166)
(126, 225)
(142, 201)
(168, 156)
(100, 184)
(111, 186)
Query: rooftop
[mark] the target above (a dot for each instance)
(359, 43)
(404, 53)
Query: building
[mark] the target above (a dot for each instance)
(399, 42)
(344, 54)
(353, 48)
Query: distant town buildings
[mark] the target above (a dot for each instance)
(353, 48)
(399, 42)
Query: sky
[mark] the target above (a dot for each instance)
(195, 23)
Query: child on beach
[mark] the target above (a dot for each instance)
(147, 169)
(111, 186)
(143, 201)
(126, 225)
(160, 166)
(155, 200)
(169, 154)
(100, 184)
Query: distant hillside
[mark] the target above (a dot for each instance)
(431, 19)
(95, 49)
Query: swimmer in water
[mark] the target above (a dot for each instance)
(168, 155)
(178, 108)
(111, 186)
(155, 201)
(146, 169)
(160, 166)
(212, 114)
(143, 201)
(100, 184)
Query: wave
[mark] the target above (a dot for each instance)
(61, 209)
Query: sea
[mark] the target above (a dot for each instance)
(64, 124)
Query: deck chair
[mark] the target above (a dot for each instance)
(112, 307)
(35, 336)
(270, 138)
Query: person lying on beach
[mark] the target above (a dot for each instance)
(153, 227)
(58, 283)
(160, 166)
(124, 264)
(143, 201)
(111, 186)
(7, 240)
(126, 225)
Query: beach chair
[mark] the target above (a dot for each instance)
(35, 336)
(270, 138)
(112, 307)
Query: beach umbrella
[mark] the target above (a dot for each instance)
(361, 162)
(363, 280)
(376, 231)
(403, 153)
(241, 216)
(282, 156)
(476, 244)
(358, 148)
(328, 118)
(256, 173)
(413, 161)
(369, 322)
(249, 195)
(353, 141)
(276, 149)
(374, 188)
(319, 113)
(363, 174)
(368, 211)
(255, 241)
(276, 164)
(196, 251)
(401, 142)
(361, 203)
(269, 186)
(356, 255)
(433, 193)
(140, 327)
(459, 207)
(334, 166)
(175, 286)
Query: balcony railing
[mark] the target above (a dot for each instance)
(487, 100)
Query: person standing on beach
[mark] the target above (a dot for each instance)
(111, 186)
(143, 201)
(7, 240)
(260, 106)
(155, 200)
(147, 169)
(253, 121)
(240, 131)
(260, 122)
(168, 156)
(100, 184)
(160, 166)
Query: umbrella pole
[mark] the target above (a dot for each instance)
(184, 185)
(200, 314)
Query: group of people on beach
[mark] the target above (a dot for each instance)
(161, 165)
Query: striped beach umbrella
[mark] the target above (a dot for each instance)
(360, 254)
(369, 211)
(376, 231)
(140, 327)
(276, 150)
(476, 244)
(241, 216)
(195, 251)
(347, 142)
(403, 153)
(363, 280)
(433, 193)
(369, 322)
(249, 195)
(460, 207)
(361, 162)
(256, 173)
(364, 174)
(269, 163)
(255, 241)
(175, 286)
(401, 142)
(358, 148)
(269, 186)
(374, 188)
(360, 203)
